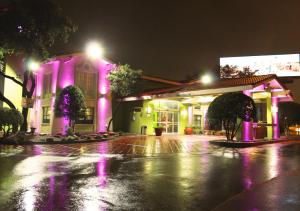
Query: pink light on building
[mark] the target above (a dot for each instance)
(274, 110)
(54, 75)
(66, 77)
(247, 131)
(103, 109)
(247, 134)
(101, 165)
(39, 83)
(104, 104)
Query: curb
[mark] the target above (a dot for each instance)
(54, 142)
(244, 144)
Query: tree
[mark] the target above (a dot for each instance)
(30, 28)
(10, 120)
(289, 114)
(124, 82)
(226, 109)
(70, 104)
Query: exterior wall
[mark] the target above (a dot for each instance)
(12, 90)
(62, 75)
(147, 116)
(183, 117)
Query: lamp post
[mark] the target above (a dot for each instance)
(33, 65)
(94, 50)
(206, 79)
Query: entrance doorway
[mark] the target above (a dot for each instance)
(169, 120)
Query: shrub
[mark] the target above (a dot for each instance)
(70, 104)
(10, 120)
(226, 109)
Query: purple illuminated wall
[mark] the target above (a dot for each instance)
(276, 132)
(63, 75)
(104, 102)
(247, 131)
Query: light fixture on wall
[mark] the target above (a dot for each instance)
(183, 112)
(148, 110)
(274, 109)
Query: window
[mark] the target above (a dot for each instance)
(87, 82)
(88, 118)
(47, 85)
(46, 115)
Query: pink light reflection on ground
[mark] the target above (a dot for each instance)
(246, 171)
(50, 201)
(37, 150)
(102, 165)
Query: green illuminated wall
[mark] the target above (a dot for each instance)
(147, 116)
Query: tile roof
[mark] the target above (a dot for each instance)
(221, 83)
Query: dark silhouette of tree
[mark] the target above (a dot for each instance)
(289, 114)
(10, 120)
(30, 28)
(226, 109)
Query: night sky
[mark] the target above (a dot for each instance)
(174, 38)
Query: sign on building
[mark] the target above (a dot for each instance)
(285, 65)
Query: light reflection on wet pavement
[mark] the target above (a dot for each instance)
(145, 173)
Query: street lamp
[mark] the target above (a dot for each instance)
(206, 79)
(94, 50)
(33, 65)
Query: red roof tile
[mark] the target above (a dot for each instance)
(221, 83)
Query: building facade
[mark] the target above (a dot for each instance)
(185, 106)
(90, 76)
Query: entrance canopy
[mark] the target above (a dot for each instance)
(193, 99)
(257, 86)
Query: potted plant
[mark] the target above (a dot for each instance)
(158, 130)
(188, 130)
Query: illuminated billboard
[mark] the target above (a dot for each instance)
(281, 65)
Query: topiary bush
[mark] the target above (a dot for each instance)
(10, 120)
(70, 104)
(226, 109)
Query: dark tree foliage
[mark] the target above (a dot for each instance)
(10, 120)
(124, 82)
(226, 109)
(289, 114)
(30, 28)
(70, 104)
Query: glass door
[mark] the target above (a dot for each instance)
(169, 120)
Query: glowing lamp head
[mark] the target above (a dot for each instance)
(94, 50)
(33, 65)
(206, 79)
